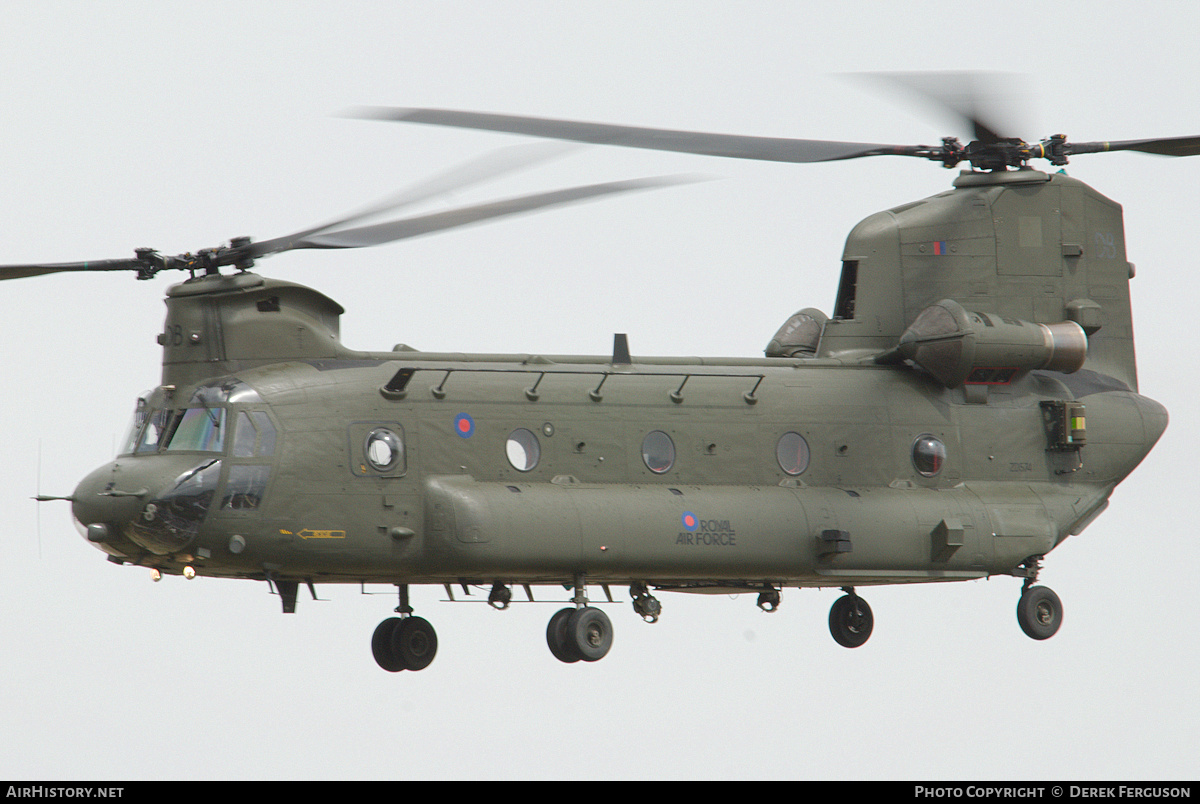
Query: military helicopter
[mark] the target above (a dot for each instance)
(971, 402)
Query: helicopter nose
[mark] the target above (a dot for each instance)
(156, 502)
(101, 503)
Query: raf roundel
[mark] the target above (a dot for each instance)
(690, 522)
(464, 425)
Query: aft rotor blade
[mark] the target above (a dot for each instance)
(380, 233)
(19, 271)
(1163, 146)
(735, 146)
(986, 103)
(476, 171)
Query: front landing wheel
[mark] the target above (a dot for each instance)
(1039, 612)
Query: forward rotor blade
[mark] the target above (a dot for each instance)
(476, 171)
(1164, 146)
(380, 233)
(20, 271)
(148, 262)
(735, 146)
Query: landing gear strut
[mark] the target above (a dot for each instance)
(850, 620)
(404, 642)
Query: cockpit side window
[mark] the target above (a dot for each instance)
(134, 431)
(254, 436)
(245, 487)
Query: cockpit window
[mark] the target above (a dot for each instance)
(191, 429)
(200, 425)
(197, 429)
(149, 428)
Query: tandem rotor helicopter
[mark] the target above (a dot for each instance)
(970, 402)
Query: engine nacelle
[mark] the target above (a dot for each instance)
(799, 336)
(958, 346)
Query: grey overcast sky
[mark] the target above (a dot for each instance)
(179, 125)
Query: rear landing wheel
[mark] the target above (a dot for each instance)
(590, 633)
(381, 645)
(556, 637)
(584, 633)
(850, 621)
(414, 642)
(404, 644)
(1040, 612)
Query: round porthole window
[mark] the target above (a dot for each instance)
(792, 453)
(928, 455)
(523, 450)
(385, 450)
(658, 452)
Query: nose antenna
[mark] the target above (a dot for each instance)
(41, 498)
